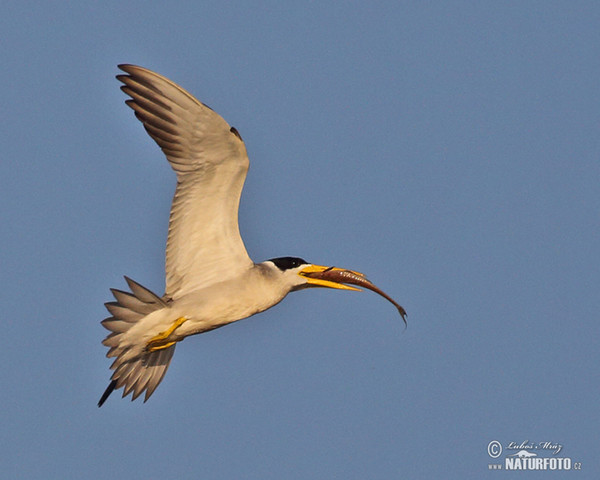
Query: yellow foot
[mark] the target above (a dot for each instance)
(160, 342)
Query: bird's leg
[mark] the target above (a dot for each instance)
(160, 342)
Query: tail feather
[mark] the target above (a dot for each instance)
(107, 392)
(135, 370)
(143, 294)
(123, 313)
(130, 301)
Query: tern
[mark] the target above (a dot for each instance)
(210, 279)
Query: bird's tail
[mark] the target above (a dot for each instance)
(135, 368)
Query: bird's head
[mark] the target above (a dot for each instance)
(301, 274)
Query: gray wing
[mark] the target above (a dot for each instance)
(204, 243)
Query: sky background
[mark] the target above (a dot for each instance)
(449, 150)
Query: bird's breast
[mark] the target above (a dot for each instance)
(224, 303)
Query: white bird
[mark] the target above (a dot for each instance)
(210, 279)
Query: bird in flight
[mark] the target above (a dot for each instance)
(210, 279)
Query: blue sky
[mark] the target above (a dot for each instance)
(449, 150)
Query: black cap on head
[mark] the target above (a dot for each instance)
(285, 263)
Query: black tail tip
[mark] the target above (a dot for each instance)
(107, 392)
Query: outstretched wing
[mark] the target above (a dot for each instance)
(204, 244)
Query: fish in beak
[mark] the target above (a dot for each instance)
(333, 277)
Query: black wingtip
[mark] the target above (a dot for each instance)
(107, 392)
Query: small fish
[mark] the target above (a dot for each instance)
(339, 275)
